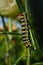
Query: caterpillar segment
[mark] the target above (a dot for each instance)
(25, 30)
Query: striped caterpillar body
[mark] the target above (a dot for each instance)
(25, 30)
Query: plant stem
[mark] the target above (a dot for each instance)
(7, 40)
(18, 60)
(4, 25)
(9, 28)
(27, 49)
(32, 40)
(28, 55)
(11, 33)
(20, 5)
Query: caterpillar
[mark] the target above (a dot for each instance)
(25, 30)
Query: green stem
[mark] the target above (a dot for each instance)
(18, 60)
(32, 39)
(20, 5)
(35, 42)
(4, 25)
(11, 33)
(7, 39)
(28, 55)
(9, 28)
(28, 49)
(26, 6)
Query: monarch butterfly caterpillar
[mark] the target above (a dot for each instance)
(25, 32)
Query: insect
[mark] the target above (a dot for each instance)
(25, 31)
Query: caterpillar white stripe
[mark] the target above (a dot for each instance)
(25, 31)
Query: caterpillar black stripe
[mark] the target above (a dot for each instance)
(25, 31)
